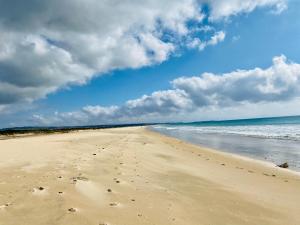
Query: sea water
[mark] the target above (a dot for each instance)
(276, 139)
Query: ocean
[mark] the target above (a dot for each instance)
(275, 139)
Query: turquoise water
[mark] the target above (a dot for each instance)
(287, 120)
(275, 139)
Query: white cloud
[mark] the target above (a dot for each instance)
(216, 38)
(160, 102)
(221, 9)
(49, 45)
(236, 38)
(99, 110)
(208, 93)
(279, 82)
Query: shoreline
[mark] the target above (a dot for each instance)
(229, 154)
(271, 150)
(118, 176)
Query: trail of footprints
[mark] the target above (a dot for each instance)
(136, 168)
(240, 168)
(115, 179)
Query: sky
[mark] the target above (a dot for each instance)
(87, 62)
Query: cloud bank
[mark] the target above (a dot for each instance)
(49, 45)
(279, 82)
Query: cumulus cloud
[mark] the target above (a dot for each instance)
(279, 82)
(223, 9)
(48, 45)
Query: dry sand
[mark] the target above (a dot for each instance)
(132, 176)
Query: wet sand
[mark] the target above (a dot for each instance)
(127, 176)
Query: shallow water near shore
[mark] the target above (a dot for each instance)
(277, 143)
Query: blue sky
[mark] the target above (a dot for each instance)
(253, 37)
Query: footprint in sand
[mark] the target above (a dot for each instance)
(114, 204)
(81, 178)
(72, 210)
(39, 191)
(4, 206)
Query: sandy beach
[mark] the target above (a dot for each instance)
(133, 176)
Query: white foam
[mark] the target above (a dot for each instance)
(283, 132)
